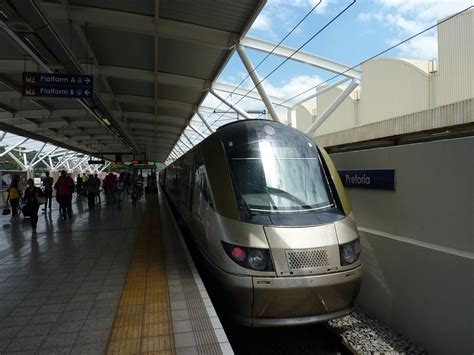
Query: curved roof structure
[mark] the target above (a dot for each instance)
(153, 62)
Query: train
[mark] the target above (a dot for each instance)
(267, 211)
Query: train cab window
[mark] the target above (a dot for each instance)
(280, 176)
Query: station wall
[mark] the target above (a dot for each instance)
(418, 241)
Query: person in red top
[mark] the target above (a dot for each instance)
(109, 187)
(64, 189)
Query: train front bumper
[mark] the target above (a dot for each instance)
(285, 301)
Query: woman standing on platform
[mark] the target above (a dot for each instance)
(31, 203)
(14, 194)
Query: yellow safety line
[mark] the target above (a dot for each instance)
(143, 321)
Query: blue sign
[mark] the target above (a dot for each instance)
(368, 179)
(58, 85)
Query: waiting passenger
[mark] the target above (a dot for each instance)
(14, 194)
(31, 203)
(92, 190)
(79, 185)
(120, 189)
(65, 188)
(99, 182)
(109, 187)
(48, 191)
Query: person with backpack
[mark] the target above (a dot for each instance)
(48, 191)
(14, 194)
(65, 188)
(31, 202)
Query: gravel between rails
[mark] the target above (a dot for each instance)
(365, 334)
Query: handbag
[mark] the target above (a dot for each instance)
(26, 210)
(40, 198)
(6, 210)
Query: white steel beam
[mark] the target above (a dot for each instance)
(302, 57)
(46, 155)
(253, 94)
(322, 91)
(135, 23)
(331, 108)
(204, 121)
(196, 130)
(230, 104)
(257, 82)
(17, 160)
(64, 161)
(189, 140)
(9, 149)
(36, 155)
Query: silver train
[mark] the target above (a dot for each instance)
(267, 210)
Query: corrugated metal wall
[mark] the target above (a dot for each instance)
(393, 88)
(455, 78)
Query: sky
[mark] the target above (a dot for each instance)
(364, 29)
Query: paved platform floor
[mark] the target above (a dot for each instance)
(108, 281)
(59, 290)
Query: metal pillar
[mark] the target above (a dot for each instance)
(256, 81)
(205, 122)
(332, 107)
(230, 104)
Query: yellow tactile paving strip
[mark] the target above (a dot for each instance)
(143, 323)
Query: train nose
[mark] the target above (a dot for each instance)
(304, 251)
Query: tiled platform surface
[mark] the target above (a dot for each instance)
(196, 327)
(59, 290)
(62, 290)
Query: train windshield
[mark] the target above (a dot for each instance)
(280, 176)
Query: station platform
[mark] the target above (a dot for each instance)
(109, 281)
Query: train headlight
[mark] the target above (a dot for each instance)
(349, 252)
(250, 258)
(257, 260)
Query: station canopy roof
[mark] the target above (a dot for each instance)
(153, 62)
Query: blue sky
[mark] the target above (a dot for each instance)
(368, 27)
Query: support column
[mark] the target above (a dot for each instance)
(256, 81)
(30, 174)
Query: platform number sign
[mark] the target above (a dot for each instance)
(58, 85)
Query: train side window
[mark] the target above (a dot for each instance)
(201, 183)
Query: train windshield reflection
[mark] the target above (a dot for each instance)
(275, 176)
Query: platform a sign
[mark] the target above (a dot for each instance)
(369, 179)
(58, 85)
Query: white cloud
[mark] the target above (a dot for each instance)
(424, 46)
(295, 86)
(284, 14)
(406, 18)
(262, 23)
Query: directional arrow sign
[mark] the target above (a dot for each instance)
(58, 85)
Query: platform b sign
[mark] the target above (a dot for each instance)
(58, 85)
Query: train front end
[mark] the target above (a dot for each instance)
(293, 254)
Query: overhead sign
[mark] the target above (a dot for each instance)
(58, 85)
(97, 162)
(369, 179)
